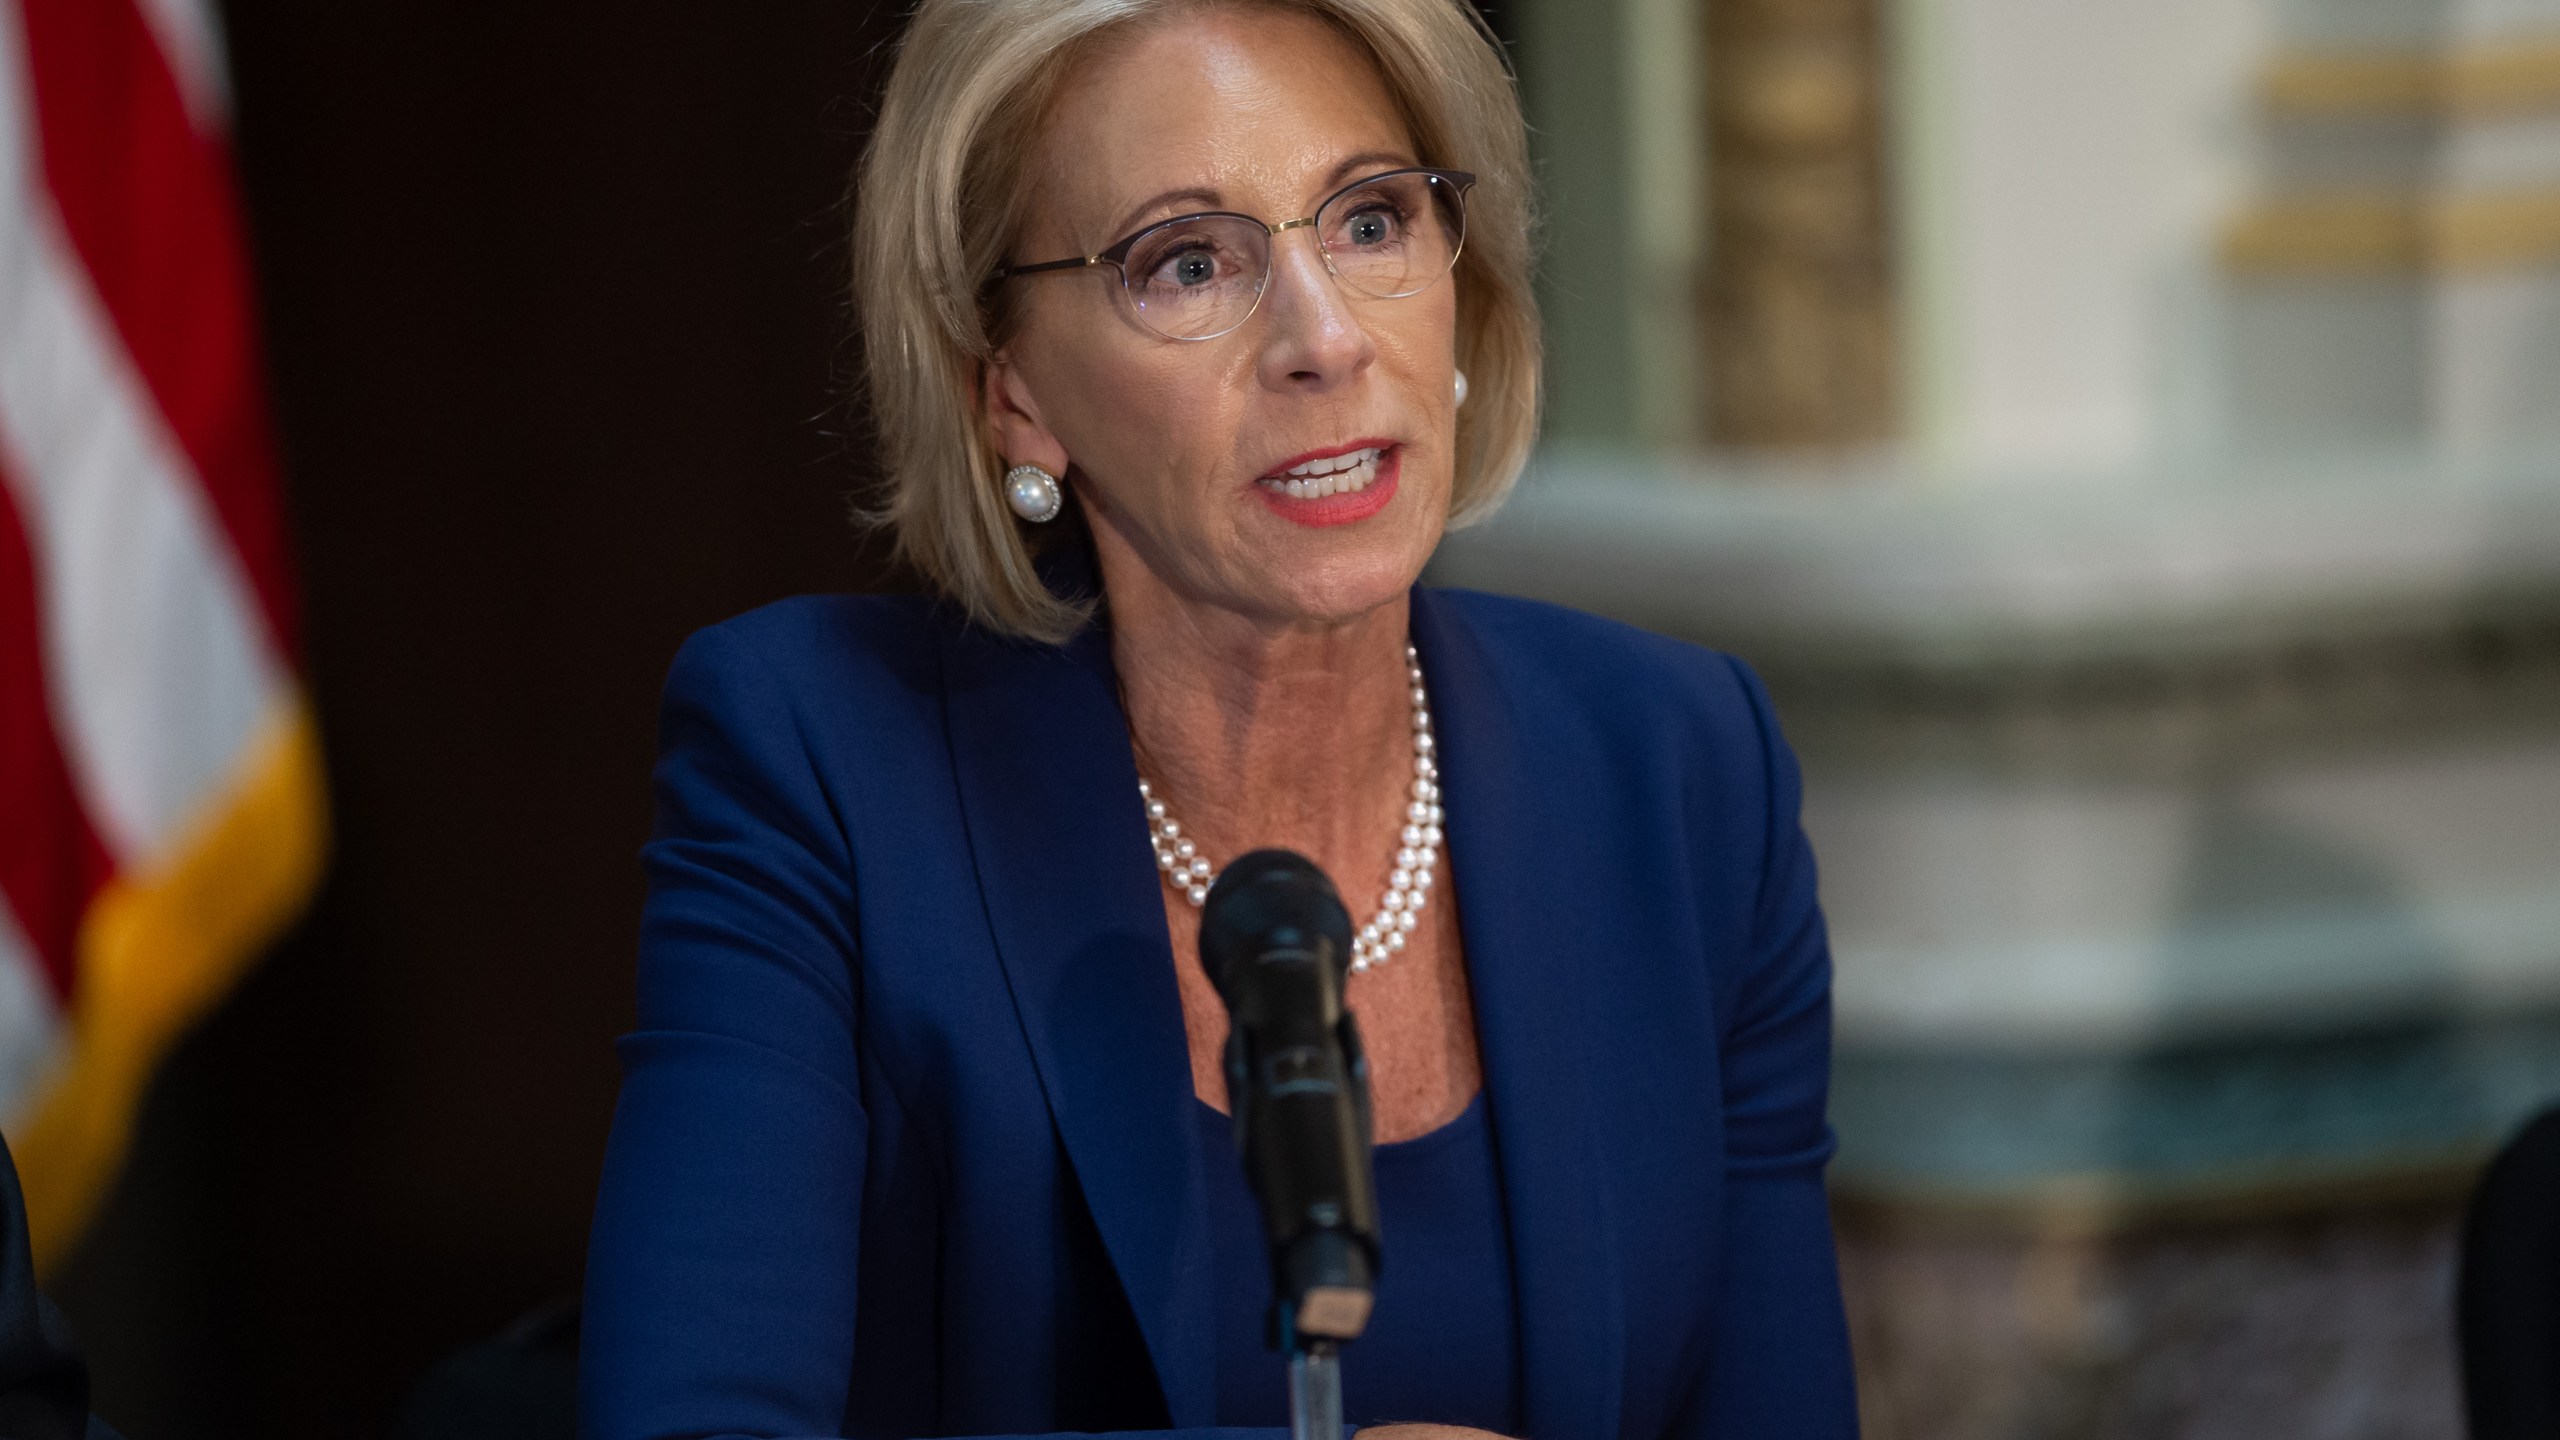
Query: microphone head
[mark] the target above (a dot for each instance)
(1266, 902)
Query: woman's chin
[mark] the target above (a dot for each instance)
(1337, 575)
(1343, 591)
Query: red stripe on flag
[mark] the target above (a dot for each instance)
(51, 860)
(150, 206)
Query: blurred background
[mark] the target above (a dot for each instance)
(2127, 437)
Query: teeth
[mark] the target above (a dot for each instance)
(1335, 475)
(1333, 463)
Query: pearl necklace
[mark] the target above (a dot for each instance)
(1417, 852)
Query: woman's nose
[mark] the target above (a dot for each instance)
(1315, 340)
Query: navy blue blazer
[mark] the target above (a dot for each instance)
(906, 1145)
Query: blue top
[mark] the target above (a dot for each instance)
(905, 1145)
(1441, 1345)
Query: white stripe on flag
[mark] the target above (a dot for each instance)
(31, 1031)
(159, 669)
(190, 37)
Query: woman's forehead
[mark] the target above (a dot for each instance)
(1235, 108)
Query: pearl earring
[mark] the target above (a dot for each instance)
(1462, 387)
(1033, 493)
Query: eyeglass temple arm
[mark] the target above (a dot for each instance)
(1072, 262)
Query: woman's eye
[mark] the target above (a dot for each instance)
(1371, 227)
(1188, 264)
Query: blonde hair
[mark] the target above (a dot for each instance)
(936, 210)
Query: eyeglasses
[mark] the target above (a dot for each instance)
(1196, 277)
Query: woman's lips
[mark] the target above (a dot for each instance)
(1338, 498)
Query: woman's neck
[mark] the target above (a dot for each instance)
(1297, 735)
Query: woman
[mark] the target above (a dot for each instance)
(1222, 310)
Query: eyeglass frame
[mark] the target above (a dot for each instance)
(1116, 254)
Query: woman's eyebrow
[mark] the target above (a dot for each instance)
(1365, 160)
(1195, 197)
(1201, 197)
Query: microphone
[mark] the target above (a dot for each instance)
(1276, 942)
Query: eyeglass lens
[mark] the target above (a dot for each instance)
(1198, 278)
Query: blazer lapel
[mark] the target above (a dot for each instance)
(1048, 791)
(1525, 966)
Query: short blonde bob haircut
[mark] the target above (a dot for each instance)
(941, 195)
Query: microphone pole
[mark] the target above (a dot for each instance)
(1276, 942)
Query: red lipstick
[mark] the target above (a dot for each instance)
(1343, 508)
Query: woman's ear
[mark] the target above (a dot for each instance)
(1015, 417)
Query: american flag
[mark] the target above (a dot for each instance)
(161, 802)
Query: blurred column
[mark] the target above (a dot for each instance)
(1797, 310)
(1616, 131)
(2395, 277)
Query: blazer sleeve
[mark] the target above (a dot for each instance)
(1778, 1363)
(721, 1270)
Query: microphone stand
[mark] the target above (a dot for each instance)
(1315, 1391)
(1276, 942)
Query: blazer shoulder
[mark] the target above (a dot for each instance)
(824, 649)
(824, 629)
(1607, 663)
(830, 678)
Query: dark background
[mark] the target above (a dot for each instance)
(555, 324)
(555, 319)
